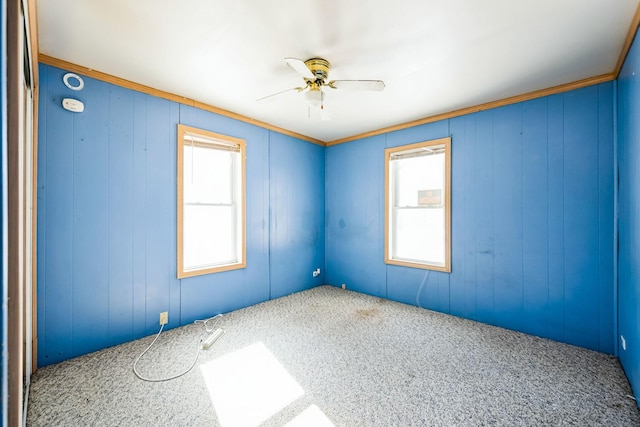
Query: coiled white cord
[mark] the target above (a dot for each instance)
(204, 322)
(195, 359)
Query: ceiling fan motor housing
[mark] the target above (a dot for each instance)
(319, 68)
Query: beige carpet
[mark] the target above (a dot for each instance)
(328, 357)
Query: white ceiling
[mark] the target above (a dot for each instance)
(435, 56)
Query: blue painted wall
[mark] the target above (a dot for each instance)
(532, 218)
(107, 218)
(629, 214)
(354, 215)
(297, 213)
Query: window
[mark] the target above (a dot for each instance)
(211, 202)
(417, 205)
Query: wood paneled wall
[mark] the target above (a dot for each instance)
(629, 216)
(107, 218)
(532, 218)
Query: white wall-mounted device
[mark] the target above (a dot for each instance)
(67, 82)
(73, 105)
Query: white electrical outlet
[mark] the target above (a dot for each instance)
(344, 286)
(164, 318)
(623, 342)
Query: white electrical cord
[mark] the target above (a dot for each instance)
(204, 322)
(426, 275)
(195, 360)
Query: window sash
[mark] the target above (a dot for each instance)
(231, 222)
(433, 250)
(417, 235)
(209, 175)
(211, 203)
(218, 225)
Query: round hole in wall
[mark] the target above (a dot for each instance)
(73, 81)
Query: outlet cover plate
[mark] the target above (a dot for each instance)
(164, 318)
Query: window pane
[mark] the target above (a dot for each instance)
(420, 235)
(207, 175)
(211, 202)
(418, 199)
(209, 236)
(418, 174)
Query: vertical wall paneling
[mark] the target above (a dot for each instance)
(555, 217)
(56, 193)
(106, 249)
(463, 231)
(120, 214)
(257, 284)
(535, 231)
(507, 216)
(460, 231)
(355, 216)
(581, 217)
(204, 296)
(482, 201)
(297, 202)
(531, 215)
(606, 209)
(425, 288)
(469, 260)
(162, 286)
(139, 229)
(616, 205)
(628, 97)
(107, 218)
(90, 214)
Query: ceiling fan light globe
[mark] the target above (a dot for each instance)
(313, 98)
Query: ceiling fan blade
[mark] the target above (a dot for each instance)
(300, 67)
(277, 95)
(373, 85)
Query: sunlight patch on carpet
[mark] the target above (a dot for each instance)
(310, 417)
(249, 386)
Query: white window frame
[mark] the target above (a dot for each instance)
(211, 140)
(390, 251)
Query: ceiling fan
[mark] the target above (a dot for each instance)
(314, 71)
